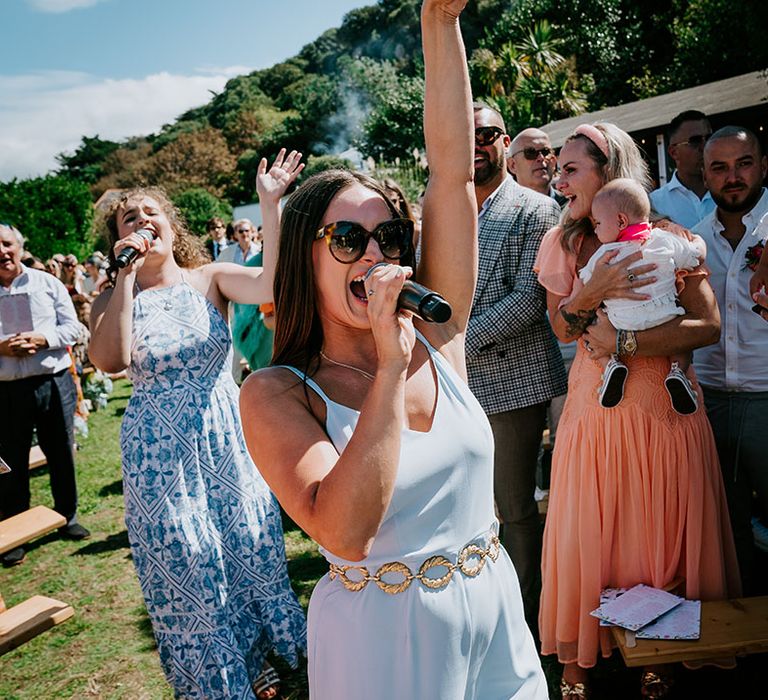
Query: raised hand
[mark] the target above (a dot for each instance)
(272, 184)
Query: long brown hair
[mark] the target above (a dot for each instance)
(624, 160)
(298, 331)
(188, 250)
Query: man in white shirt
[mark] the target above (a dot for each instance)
(37, 321)
(684, 199)
(247, 245)
(734, 373)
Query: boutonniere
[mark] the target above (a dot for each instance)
(753, 255)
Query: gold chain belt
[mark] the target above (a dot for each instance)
(463, 563)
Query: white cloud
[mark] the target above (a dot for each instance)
(43, 114)
(59, 6)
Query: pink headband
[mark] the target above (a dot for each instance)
(595, 136)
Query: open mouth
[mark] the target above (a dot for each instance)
(357, 287)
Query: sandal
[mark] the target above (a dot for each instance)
(572, 690)
(655, 685)
(267, 684)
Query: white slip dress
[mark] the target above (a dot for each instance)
(466, 640)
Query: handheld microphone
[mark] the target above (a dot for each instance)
(128, 255)
(418, 299)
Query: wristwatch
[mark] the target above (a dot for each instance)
(627, 343)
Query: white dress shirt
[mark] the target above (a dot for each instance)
(680, 204)
(53, 315)
(739, 361)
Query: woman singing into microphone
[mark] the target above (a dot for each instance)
(369, 436)
(205, 531)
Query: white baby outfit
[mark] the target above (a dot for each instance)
(669, 252)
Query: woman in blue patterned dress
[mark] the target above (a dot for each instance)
(205, 530)
(370, 437)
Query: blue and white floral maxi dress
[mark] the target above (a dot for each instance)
(205, 531)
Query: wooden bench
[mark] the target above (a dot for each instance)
(26, 526)
(728, 628)
(36, 458)
(26, 620)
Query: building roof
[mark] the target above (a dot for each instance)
(727, 95)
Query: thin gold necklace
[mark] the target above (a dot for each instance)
(367, 375)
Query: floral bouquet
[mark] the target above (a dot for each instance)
(97, 387)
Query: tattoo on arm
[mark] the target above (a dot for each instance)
(577, 322)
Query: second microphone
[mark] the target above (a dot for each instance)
(128, 255)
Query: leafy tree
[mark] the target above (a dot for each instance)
(241, 92)
(322, 53)
(170, 132)
(245, 129)
(197, 159)
(86, 163)
(319, 164)
(529, 81)
(198, 205)
(54, 213)
(715, 39)
(122, 168)
(275, 80)
(392, 105)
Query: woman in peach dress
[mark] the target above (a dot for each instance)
(636, 495)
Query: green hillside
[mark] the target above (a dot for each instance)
(360, 85)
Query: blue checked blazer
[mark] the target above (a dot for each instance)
(513, 359)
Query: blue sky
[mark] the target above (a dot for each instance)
(120, 68)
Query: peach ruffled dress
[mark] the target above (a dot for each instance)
(636, 494)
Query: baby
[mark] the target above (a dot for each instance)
(620, 211)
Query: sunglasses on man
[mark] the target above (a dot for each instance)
(531, 153)
(348, 241)
(486, 135)
(696, 141)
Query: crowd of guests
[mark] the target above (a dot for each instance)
(409, 450)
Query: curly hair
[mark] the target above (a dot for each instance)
(624, 161)
(188, 249)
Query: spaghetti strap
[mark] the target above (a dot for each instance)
(311, 382)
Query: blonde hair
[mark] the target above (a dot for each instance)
(240, 222)
(188, 250)
(624, 160)
(626, 196)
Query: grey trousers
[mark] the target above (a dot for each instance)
(740, 422)
(517, 435)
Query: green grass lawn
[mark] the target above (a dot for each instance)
(107, 649)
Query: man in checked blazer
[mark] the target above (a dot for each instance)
(513, 361)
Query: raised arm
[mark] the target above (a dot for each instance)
(449, 233)
(254, 285)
